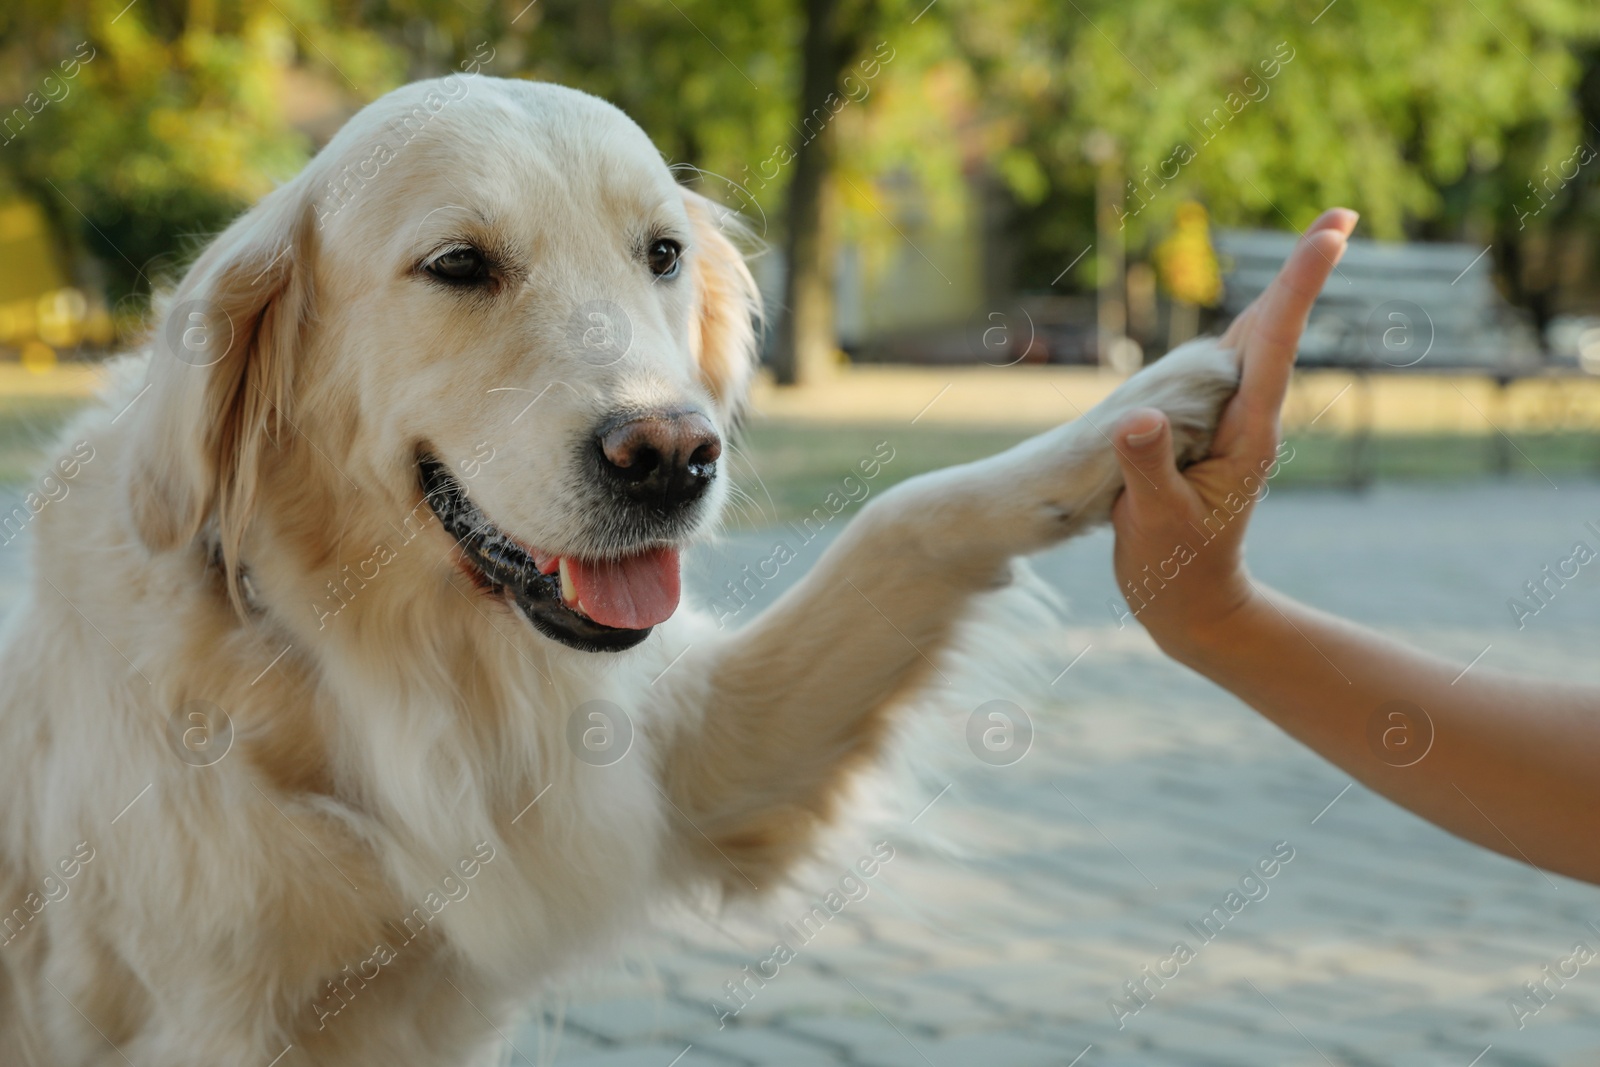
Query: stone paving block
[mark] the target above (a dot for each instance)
(538, 1042)
(635, 1018)
(997, 1049)
(1338, 1041)
(859, 965)
(867, 1039)
(769, 1047)
(1567, 1037)
(1168, 1027)
(1049, 1002)
(799, 993)
(655, 1055)
(1100, 1056)
(943, 1012)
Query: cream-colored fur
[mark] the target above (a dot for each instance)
(364, 877)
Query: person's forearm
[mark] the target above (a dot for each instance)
(1512, 763)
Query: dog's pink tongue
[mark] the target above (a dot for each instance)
(630, 593)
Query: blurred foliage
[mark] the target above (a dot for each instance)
(1431, 117)
(710, 81)
(907, 153)
(173, 119)
(185, 112)
(1186, 261)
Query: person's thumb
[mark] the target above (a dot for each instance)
(1143, 439)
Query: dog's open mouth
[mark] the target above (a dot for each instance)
(593, 605)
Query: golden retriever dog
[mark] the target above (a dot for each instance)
(351, 698)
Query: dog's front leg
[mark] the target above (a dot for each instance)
(797, 699)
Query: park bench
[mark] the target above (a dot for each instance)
(1398, 308)
(1393, 306)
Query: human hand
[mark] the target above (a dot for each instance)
(1179, 553)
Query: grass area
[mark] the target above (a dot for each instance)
(28, 428)
(1326, 460)
(801, 463)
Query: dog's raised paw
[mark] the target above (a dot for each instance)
(1192, 384)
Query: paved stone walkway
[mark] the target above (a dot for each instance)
(1002, 929)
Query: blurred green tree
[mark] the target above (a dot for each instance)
(1430, 117)
(157, 121)
(774, 102)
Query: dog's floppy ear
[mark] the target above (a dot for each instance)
(727, 313)
(221, 365)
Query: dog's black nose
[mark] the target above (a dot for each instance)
(664, 459)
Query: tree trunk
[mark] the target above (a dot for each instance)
(805, 339)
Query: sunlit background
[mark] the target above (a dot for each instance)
(975, 217)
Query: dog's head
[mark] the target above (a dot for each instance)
(490, 295)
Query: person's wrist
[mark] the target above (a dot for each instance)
(1199, 639)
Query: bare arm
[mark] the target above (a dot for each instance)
(1509, 763)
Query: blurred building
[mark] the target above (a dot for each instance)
(41, 313)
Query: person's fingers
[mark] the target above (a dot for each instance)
(1269, 348)
(1273, 338)
(1155, 491)
(1281, 318)
(1240, 326)
(1339, 219)
(1335, 218)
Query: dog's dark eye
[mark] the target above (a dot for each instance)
(459, 266)
(663, 256)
